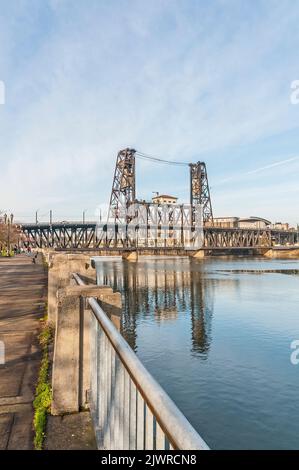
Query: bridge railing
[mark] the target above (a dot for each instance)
(130, 410)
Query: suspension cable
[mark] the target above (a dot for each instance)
(144, 156)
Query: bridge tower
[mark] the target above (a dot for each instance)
(200, 191)
(123, 188)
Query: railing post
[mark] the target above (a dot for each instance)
(61, 267)
(140, 422)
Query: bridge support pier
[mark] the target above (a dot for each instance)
(200, 254)
(130, 255)
(71, 364)
(282, 253)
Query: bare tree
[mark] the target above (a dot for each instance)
(9, 232)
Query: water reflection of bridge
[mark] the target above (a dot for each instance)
(164, 289)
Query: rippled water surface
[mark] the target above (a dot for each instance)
(216, 334)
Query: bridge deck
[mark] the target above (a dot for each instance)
(89, 235)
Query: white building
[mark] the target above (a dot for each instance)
(164, 199)
(243, 222)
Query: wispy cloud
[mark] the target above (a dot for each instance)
(239, 176)
(180, 79)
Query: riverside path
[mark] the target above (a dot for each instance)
(23, 287)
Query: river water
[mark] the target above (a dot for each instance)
(216, 334)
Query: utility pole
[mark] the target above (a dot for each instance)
(8, 240)
(36, 221)
(8, 237)
(51, 217)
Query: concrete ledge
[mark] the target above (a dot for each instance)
(71, 365)
(61, 267)
(70, 432)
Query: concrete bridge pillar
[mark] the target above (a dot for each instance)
(199, 254)
(130, 255)
(71, 364)
(282, 253)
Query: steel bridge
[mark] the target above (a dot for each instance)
(89, 236)
(172, 222)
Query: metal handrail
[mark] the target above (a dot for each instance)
(177, 428)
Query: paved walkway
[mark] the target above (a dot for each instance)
(22, 304)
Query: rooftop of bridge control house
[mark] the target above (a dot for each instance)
(164, 199)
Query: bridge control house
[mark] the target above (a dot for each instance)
(164, 199)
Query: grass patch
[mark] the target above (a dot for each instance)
(43, 393)
(45, 264)
(45, 337)
(44, 261)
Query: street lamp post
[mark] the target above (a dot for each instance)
(8, 237)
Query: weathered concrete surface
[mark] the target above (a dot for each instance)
(71, 432)
(61, 267)
(199, 254)
(130, 255)
(22, 304)
(71, 365)
(280, 253)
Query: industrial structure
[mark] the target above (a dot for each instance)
(123, 193)
(223, 234)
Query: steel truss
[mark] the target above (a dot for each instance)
(92, 236)
(123, 192)
(237, 238)
(200, 191)
(136, 224)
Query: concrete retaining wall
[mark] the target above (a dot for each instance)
(69, 314)
(71, 365)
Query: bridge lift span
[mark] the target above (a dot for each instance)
(123, 192)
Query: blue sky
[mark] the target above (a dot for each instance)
(186, 80)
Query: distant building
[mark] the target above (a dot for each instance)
(254, 222)
(244, 222)
(164, 199)
(281, 226)
(226, 222)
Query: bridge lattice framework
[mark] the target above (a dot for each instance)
(89, 235)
